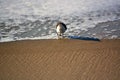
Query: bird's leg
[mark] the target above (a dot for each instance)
(58, 36)
(62, 35)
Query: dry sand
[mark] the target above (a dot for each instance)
(60, 60)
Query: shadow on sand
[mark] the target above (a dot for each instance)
(83, 38)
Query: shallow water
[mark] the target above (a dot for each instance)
(36, 19)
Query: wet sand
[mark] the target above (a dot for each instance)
(60, 60)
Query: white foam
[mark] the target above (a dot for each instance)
(7, 39)
(108, 32)
(114, 36)
(54, 7)
(63, 10)
(10, 38)
(113, 30)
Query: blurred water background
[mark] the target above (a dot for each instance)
(36, 19)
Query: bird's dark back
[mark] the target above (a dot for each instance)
(61, 23)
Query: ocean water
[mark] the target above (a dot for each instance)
(36, 19)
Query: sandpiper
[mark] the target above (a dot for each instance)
(60, 29)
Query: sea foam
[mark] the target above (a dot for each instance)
(33, 19)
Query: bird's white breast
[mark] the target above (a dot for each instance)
(60, 29)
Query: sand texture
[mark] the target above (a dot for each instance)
(60, 60)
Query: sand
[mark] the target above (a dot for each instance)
(60, 60)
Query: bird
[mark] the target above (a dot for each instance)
(60, 29)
